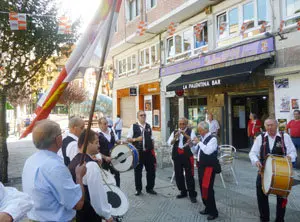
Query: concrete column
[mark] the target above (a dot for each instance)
(211, 32)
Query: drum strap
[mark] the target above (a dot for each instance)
(264, 143)
(282, 143)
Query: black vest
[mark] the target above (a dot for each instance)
(208, 160)
(279, 147)
(187, 150)
(65, 143)
(87, 213)
(147, 137)
(105, 145)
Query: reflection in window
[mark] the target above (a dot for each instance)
(292, 7)
(233, 21)
(222, 24)
(248, 14)
(178, 45)
(171, 49)
(201, 37)
(187, 40)
(153, 57)
(261, 11)
(133, 62)
(147, 56)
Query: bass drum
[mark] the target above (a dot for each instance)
(117, 199)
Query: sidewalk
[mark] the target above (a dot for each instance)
(235, 203)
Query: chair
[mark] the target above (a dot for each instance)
(226, 157)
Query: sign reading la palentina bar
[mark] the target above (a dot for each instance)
(202, 84)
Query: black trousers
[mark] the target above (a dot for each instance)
(263, 203)
(206, 181)
(147, 159)
(107, 166)
(182, 162)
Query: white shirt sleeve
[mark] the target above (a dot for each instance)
(72, 150)
(130, 132)
(14, 202)
(290, 147)
(170, 139)
(193, 135)
(210, 147)
(98, 196)
(254, 152)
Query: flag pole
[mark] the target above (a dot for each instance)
(101, 64)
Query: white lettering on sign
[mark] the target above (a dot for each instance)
(215, 82)
(152, 89)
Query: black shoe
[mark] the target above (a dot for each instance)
(151, 192)
(210, 217)
(138, 193)
(182, 195)
(193, 199)
(203, 212)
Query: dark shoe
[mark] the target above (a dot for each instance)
(210, 217)
(203, 212)
(182, 195)
(151, 192)
(193, 199)
(264, 219)
(138, 193)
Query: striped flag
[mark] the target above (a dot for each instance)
(17, 21)
(88, 51)
(64, 25)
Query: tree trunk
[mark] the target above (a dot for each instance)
(3, 135)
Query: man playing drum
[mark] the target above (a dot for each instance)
(96, 204)
(107, 140)
(270, 143)
(140, 135)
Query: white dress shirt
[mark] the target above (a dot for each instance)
(108, 135)
(255, 150)
(180, 145)
(14, 202)
(142, 128)
(208, 149)
(213, 126)
(119, 124)
(98, 196)
(72, 148)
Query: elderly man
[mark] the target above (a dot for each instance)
(213, 124)
(13, 204)
(207, 151)
(270, 143)
(140, 134)
(69, 147)
(48, 181)
(183, 159)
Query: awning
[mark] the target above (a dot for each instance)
(216, 77)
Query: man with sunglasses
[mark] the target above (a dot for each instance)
(69, 147)
(140, 135)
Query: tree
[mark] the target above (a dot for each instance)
(72, 94)
(23, 53)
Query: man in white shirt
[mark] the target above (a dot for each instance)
(69, 147)
(96, 204)
(13, 204)
(213, 124)
(207, 152)
(270, 143)
(118, 125)
(140, 134)
(183, 159)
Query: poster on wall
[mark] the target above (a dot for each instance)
(295, 103)
(148, 109)
(285, 104)
(282, 124)
(282, 83)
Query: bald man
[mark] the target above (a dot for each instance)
(69, 147)
(48, 181)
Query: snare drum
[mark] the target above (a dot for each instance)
(124, 157)
(117, 200)
(277, 176)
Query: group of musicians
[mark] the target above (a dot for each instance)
(46, 178)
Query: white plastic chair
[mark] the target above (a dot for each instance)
(226, 157)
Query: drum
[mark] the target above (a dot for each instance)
(124, 157)
(107, 177)
(117, 199)
(277, 176)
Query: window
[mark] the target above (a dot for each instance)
(262, 11)
(153, 54)
(127, 65)
(133, 9)
(222, 25)
(170, 46)
(292, 7)
(233, 21)
(187, 40)
(200, 38)
(178, 44)
(151, 4)
(248, 15)
(149, 56)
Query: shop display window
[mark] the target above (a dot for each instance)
(197, 109)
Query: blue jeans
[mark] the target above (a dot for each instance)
(119, 133)
(296, 141)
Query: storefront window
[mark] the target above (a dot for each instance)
(197, 108)
(233, 21)
(187, 40)
(201, 38)
(248, 15)
(261, 11)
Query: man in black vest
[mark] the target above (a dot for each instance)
(107, 140)
(69, 147)
(95, 204)
(183, 159)
(207, 152)
(140, 135)
(270, 142)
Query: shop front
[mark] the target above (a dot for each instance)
(228, 84)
